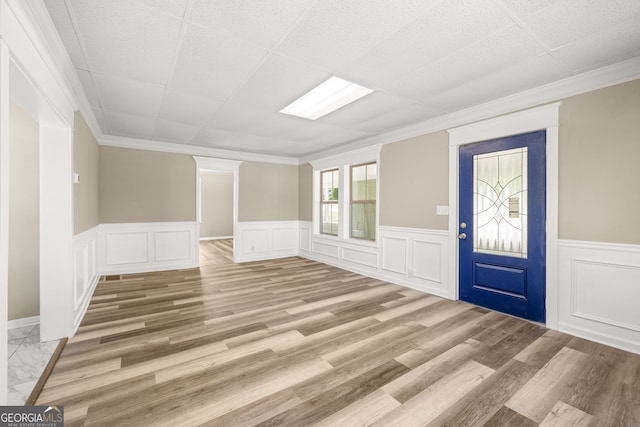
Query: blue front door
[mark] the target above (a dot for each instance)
(502, 224)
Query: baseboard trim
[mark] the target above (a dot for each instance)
(21, 323)
(84, 305)
(216, 238)
(601, 338)
(374, 275)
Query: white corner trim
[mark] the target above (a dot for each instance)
(170, 147)
(24, 322)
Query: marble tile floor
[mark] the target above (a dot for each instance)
(27, 359)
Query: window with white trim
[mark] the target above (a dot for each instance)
(329, 197)
(363, 201)
(345, 193)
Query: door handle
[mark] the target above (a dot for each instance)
(462, 236)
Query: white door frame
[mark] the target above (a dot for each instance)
(210, 164)
(545, 117)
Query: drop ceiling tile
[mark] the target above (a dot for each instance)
(398, 118)
(128, 96)
(336, 30)
(449, 26)
(277, 124)
(506, 81)
(234, 116)
(338, 136)
(64, 26)
(570, 20)
(89, 88)
(187, 108)
(170, 131)
(511, 45)
(123, 38)
(524, 8)
(213, 65)
(172, 7)
(257, 21)
(317, 130)
(236, 141)
(323, 47)
(264, 145)
(371, 106)
(278, 82)
(379, 18)
(209, 137)
(130, 126)
(613, 45)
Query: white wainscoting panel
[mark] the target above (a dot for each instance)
(261, 240)
(305, 236)
(150, 246)
(126, 247)
(85, 272)
(432, 269)
(326, 248)
(600, 292)
(395, 250)
(365, 256)
(416, 258)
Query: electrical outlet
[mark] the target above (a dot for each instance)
(442, 210)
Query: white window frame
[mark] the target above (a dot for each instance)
(343, 163)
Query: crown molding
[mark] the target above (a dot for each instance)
(32, 57)
(192, 150)
(55, 48)
(360, 155)
(620, 72)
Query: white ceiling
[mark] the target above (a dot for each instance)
(215, 73)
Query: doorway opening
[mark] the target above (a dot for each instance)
(216, 200)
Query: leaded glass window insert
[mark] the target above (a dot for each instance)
(500, 202)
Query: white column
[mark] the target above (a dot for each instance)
(4, 215)
(56, 231)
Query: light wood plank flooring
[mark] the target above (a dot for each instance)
(295, 342)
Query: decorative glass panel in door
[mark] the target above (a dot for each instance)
(500, 202)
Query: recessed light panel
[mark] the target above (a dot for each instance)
(326, 98)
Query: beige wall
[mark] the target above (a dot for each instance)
(86, 161)
(146, 186)
(414, 176)
(600, 165)
(24, 218)
(216, 205)
(267, 192)
(305, 192)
